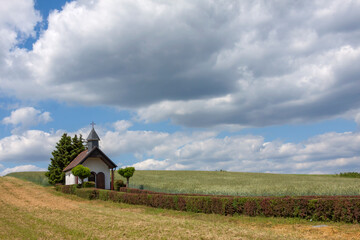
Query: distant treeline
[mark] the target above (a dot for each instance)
(349, 174)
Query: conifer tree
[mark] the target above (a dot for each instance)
(65, 151)
(78, 145)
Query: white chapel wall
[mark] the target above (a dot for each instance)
(97, 165)
(69, 178)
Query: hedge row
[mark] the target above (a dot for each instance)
(337, 208)
(136, 190)
(141, 191)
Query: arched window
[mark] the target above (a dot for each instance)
(92, 177)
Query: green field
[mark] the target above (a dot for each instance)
(245, 184)
(35, 177)
(232, 183)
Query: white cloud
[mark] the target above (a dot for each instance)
(151, 164)
(17, 21)
(122, 125)
(327, 153)
(30, 146)
(26, 117)
(22, 168)
(197, 63)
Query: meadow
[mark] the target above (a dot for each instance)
(244, 184)
(231, 183)
(30, 211)
(35, 177)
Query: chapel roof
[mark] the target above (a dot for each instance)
(93, 135)
(95, 152)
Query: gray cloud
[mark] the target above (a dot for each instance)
(198, 63)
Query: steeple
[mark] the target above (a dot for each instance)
(92, 139)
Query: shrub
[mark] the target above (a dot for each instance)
(87, 193)
(119, 184)
(127, 173)
(69, 189)
(103, 195)
(90, 184)
(58, 187)
(81, 172)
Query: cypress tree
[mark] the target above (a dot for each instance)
(65, 151)
(78, 146)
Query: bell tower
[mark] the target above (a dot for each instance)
(93, 139)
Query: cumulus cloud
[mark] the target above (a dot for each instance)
(21, 168)
(17, 21)
(122, 125)
(29, 146)
(151, 164)
(23, 118)
(327, 153)
(198, 63)
(146, 143)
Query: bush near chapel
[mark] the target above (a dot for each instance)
(127, 173)
(81, 172)
(119, 184)
(90, 184)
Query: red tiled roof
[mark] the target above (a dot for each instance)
(85, 154)
(76, 161)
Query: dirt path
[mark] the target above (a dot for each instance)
(28, 211)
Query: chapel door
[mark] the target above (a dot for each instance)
(100, 180)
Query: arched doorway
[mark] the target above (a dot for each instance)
(100, 180)
(92, 177)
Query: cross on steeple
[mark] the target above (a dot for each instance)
(93, 138)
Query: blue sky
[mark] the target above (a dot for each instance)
(267, 87)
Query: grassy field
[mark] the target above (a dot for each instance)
(29, 211)
(231, 183)
(35, 177)
(244, 184)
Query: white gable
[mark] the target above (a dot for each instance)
(95, 165)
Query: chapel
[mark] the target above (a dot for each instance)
(100, 165)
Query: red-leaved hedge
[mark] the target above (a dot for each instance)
(324, 208)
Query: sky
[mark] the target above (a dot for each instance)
(247, 86)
